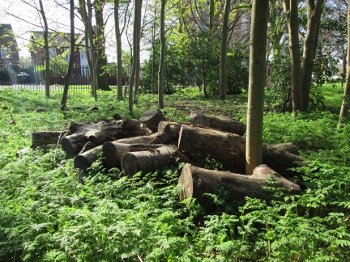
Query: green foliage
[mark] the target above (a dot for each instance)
(46, 214)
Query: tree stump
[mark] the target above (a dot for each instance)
(148, 161)
(152, 118)
(195, 182)
(222, 123)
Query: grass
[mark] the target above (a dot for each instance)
(47, 215)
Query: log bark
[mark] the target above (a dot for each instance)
(86, 159)
(79, 134)
(229, 149)
(195, 182)
(138, 139)
(288, 147)
(167, 132)
(152, 118)
(113, 151)
(222, 123)
(40, 138)
(148, 161)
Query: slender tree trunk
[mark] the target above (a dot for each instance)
(257, 81)
(136, 53)
(71, 59)
(291, 11)
(223, 64)
(345, 104)
(119, 51)
(314, 11)
(162, 57)
(47, 51)
(100, 43)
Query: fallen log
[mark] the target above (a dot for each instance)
(86, 159)
(167, 132)
(113, 151)
(195, 182)
(79, 134)
(222, 123)
(148, 161)
(288, 147)
(229, 149)
(40, 138)
(152, 118)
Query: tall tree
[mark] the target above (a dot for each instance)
(257, 81)
(291, 11)
(314, 11)
(223, 61)
(71, 58)
(47, 50)
(346, 99)
(135, 74)
(162, 56)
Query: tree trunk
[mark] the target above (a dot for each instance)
(223, 123)
(195, 183)
(314, 11)
(162, 56)
(223, 60)
(257, 82)
(152, 118)
(148, 161)
(71, 58)
(47, 51)
(345, 104)
(291, 11)
(113, 151)
(86, 159)
(119, 51)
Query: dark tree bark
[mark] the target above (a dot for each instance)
(40, 138)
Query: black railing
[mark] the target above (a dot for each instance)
(32, 78)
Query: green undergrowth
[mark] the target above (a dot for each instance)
(48, 214)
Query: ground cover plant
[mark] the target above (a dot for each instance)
(47, 214)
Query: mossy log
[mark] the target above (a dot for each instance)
(222, 123)
(195, 182)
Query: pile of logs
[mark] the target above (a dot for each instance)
(158, 142)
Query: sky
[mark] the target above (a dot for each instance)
(24, 18)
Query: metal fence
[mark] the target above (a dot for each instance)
(32, 78)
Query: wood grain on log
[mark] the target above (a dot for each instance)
(148, 161)
(138, 139)
(222, 123)
(194, 182)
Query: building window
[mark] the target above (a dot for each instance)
(83, 55)
(85, 70)
(67, 57)
(6, 53)
(52, 51)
